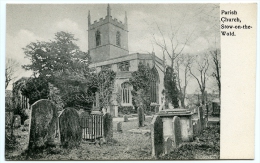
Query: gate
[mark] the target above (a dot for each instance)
(92, 126)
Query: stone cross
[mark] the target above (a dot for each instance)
(157, 136)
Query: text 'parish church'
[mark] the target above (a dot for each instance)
(108, 48)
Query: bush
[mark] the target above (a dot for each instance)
(122, 110)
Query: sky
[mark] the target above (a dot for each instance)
(199, 23)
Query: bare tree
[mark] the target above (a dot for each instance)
(183, 63)
(217, 68)
(10, 68)
(202, 66)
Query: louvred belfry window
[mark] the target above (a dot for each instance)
(98, 38)
(118, 39)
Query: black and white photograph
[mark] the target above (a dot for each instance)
(111, 81)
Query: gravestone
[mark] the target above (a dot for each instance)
(119, 127)
(140, 112)
(168, 147)
(108, 127)
(157, 136)
(70, 130)
(177, 139)
(43, 123)
(17, 121)
(125, 118)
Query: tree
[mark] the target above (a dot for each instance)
(140, 81)
(202, 66)
(60, 63)
(217, 68)
(183, 63)
(171, 90)
(10, 68)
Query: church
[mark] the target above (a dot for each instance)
(108, 48)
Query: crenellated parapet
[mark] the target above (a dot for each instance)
(107, 19)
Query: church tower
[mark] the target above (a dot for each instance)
(107, 38)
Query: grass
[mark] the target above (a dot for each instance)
(125, 146)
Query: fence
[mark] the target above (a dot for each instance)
(92, 127)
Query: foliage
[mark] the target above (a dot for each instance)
(141, 86)
(126, 110)
(10, 68)
(171, 90)
(36, 88)
(54, 95)
(105, 80)
(18, 86)
(60, 63)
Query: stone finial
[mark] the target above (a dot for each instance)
(125, 18)
(108, 10)
(89, 18)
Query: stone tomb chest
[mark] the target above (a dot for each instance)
(185, 123)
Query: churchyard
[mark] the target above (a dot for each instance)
(130, 140)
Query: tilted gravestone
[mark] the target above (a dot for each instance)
(157, 136)
(70, 130)
(140, 112)
(168, 147)
(26, 123)
(108, 127)
(125, 118)
(176, 128)
(43, 122)
(119, 127)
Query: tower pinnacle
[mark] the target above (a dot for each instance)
(89, 18)
(108, 10)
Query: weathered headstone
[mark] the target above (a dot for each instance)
(140, 112)
(17, 121)
(168, 147)
(125, 118)
(108, 127)
(70, 130)
(177, 138)
(119, 127)
(43, 123)
(157, 136)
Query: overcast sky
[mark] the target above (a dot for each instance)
(198, 22)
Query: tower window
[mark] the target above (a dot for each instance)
(118, 35)
(98, 38)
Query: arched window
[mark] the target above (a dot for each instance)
(118, 35)
(98, 38)
(126, 93)
(154, 91)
